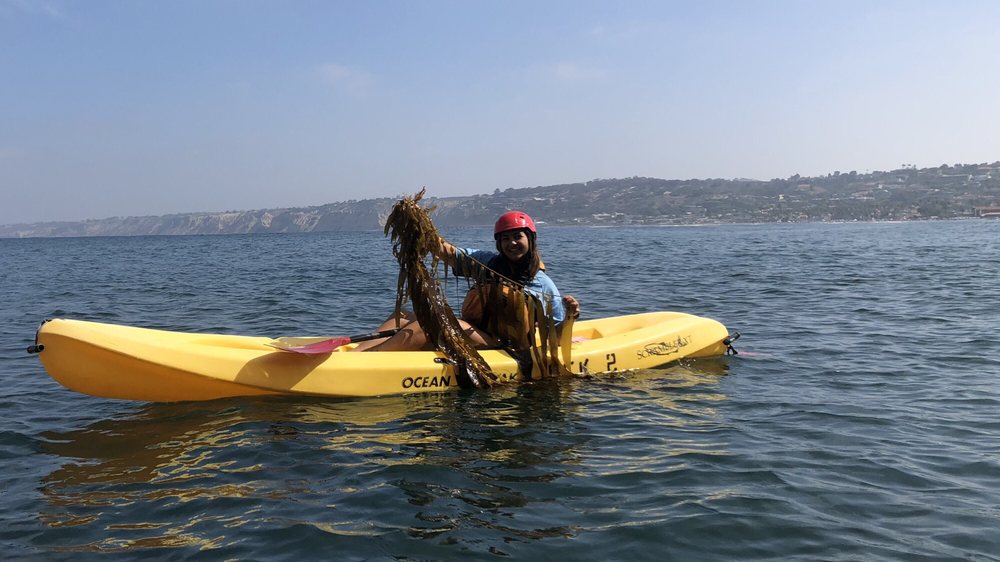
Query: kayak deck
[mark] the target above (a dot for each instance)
(134, 363)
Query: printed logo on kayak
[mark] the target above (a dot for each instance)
(664, 347)
(427, 382)
(444, 381)
(508, 377)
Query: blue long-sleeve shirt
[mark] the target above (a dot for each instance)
(541, 286)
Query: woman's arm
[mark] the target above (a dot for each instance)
(446, 253)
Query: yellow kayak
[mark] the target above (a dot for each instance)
(132, 363)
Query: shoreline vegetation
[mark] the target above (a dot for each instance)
(907, 193)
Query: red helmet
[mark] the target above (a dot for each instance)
(513, 220)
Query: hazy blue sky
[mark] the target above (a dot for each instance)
(147, 107)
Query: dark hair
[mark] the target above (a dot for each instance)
(524, 270)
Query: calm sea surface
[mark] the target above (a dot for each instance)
(860, 422)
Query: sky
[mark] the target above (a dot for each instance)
(143, 107)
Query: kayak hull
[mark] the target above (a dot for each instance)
(131, 363)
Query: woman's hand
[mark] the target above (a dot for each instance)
(446, 253)
(572, 306)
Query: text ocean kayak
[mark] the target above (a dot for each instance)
(132, 363)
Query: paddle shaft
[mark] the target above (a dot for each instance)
(373, 335)
(313, 346)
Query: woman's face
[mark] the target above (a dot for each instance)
(514, 244)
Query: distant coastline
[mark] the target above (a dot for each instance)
(962, 190)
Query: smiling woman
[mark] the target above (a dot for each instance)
(512, 293)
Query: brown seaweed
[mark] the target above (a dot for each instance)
(522, 322)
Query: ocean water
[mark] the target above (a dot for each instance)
(861, 420)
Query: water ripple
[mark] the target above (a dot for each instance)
(858, 423)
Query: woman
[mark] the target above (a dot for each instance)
(516, 258)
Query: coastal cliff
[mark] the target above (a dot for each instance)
(903, 194)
